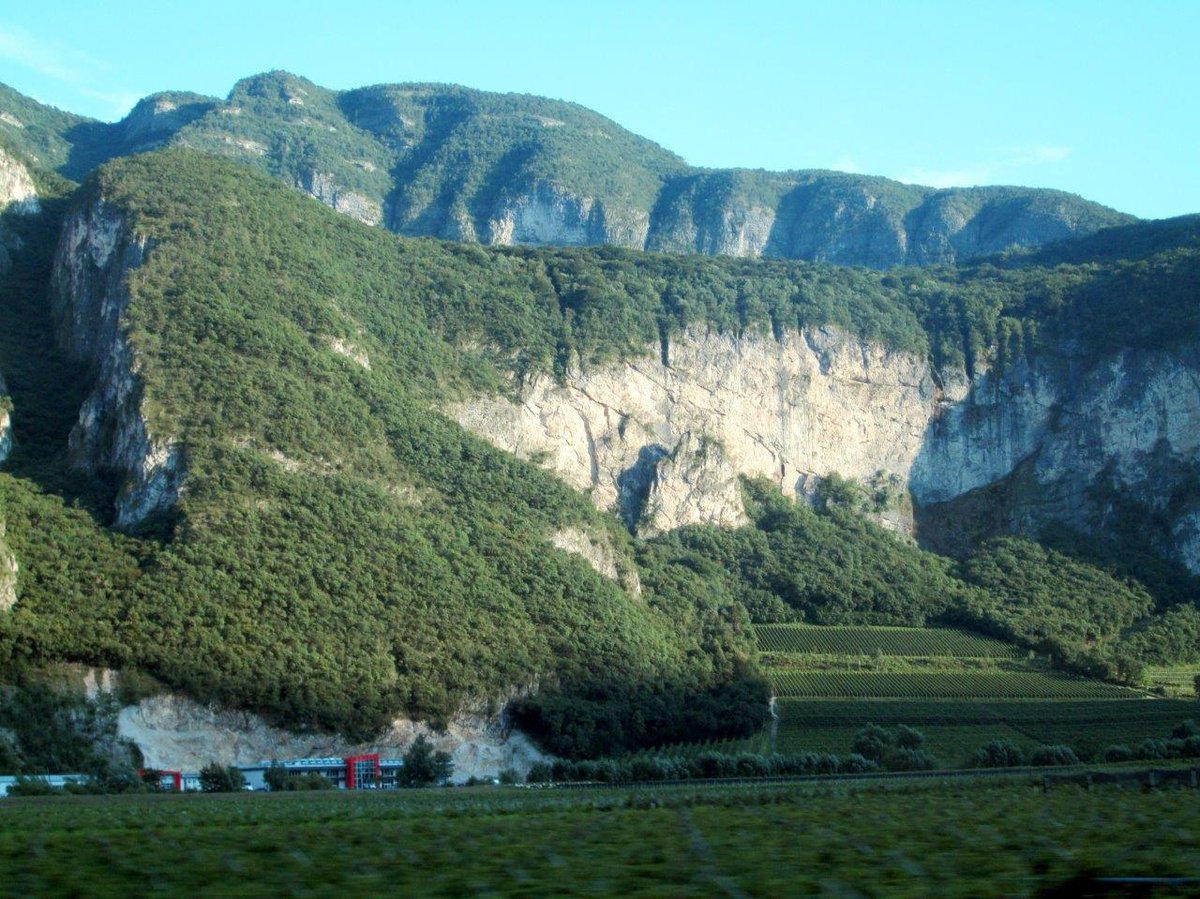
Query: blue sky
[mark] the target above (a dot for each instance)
(1098, 98)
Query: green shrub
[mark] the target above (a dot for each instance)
(28, 785)
(1044, 756)
(216, 778)
(998, 754)
(423, 766)
(1118, 753)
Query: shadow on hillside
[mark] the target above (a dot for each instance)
(983, 492)
(91, 145)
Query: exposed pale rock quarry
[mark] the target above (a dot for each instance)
(175, 733)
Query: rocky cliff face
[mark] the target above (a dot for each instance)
(1082, 444)
(8, 573)
(1059, 439)
(17, 191)
(5, 422)
(18, 196)
(547, 215)
(664, 444)
(822, 217)
(323, 187)
(858, 220)
(96, 251)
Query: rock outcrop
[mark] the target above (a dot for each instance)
(598, 551)
(815, 216)
(1061, 439)
(155, 120)
(8, 572)
(6, 439)
(323, 187)
(858, 220)
(18, 194)
(174, 732)
(547, 215)
(96, 251)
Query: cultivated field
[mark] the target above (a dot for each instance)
(954, 729)
(974, 837)
(941, 685)
(1174, 681)
(888, 641)
(960, 689)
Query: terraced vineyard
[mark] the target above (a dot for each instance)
(955, 728)
(952, 744)
(1135, 714)
(960, 689)
(888, 641)
(942, 685)
(1174, 681)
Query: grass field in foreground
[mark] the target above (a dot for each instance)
(971, 838)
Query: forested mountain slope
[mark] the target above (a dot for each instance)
(238, 462)
(317, 540)
(451, 162)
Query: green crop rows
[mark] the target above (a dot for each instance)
(1159, 712)
(954, 728)
(951, 744)
(967, 690)
(889, 641)
(941, 684)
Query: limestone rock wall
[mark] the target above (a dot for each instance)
(18, 196)
(8, 571)
(664, 444)
(1067, 438)
(598, 551)
(6, 438)
(323, 187)
(17, 191)
(96, 251)
(1085, 441)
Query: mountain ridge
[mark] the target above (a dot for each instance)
(452, 162)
